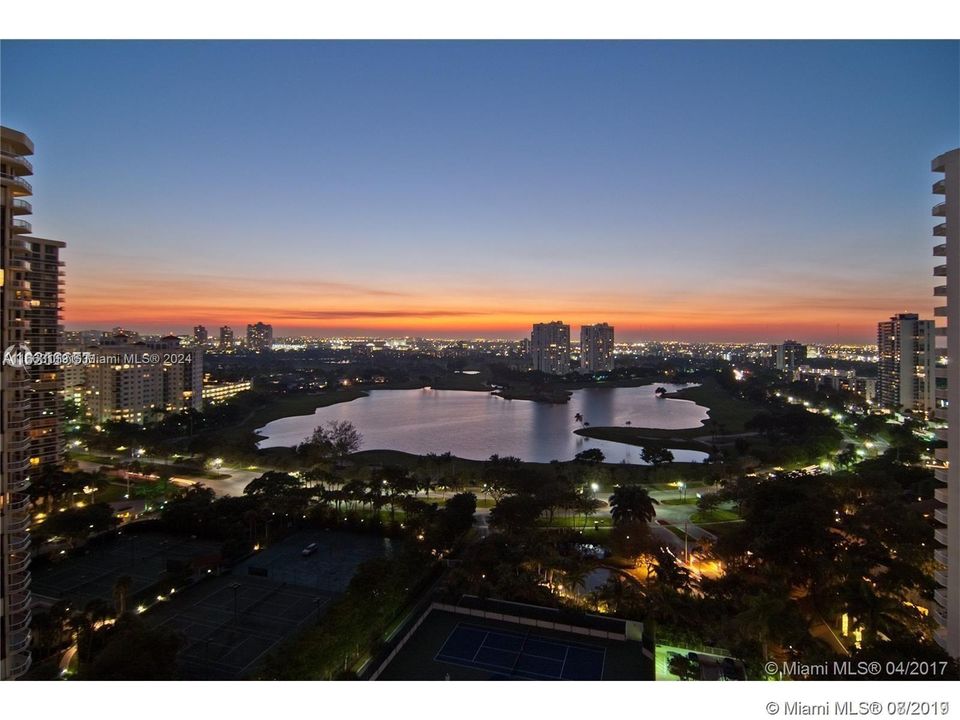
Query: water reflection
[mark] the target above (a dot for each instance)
(475, 425)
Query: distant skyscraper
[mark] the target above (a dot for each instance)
(550, 347)
(905, 369)
(946, 609)
(596, 348)
(45, 335)
(200, 335)
(259, 337)
(789, 355)
(226, 338)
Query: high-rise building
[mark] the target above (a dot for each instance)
(596, 348)
(226, 338)
(15, 399)
(140, 382)
(907, 355)
(45, 336)
(259, 337)
(789, 355)
(946, 610)
(200, 335)
(550, 347)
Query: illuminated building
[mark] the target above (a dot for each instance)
(596, 348)
(788, 356)
(907, 355)
(226, 338)
(200, 335)
(550, 348)
(140, 382)
(217, 392)
(259, 337)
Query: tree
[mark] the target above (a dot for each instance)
(683, 667)
(80, 523)
(515, 512)
(334, 440)
(273, 484)
(592, 456)
(656, 456)
(133, 651)
(632, 503)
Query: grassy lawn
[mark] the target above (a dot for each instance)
(577, 522)
(649, 437)
(678, 501)
(713, 516)
(728, 410)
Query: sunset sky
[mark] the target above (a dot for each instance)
(688, 190)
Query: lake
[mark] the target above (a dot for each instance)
(475, 425)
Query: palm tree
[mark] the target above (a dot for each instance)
(632, 502)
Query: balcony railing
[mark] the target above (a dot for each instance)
(19, 640)
(939, 615)
(941, 493)
(940, 515)
(18, 522)
(18, 582)
(940, 250)
(940, 595)
(19, 562)
(940, 576)
(21, 621)
(940, 187)
(21, 207)
(19, 664)
(940, 271)
(940, 555)
(20, 159)
(21, 226)
(940, 230)
(19, 541)
(19, 604)
(940, 535)
(17, 181)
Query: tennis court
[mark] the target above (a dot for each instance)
(521, 654)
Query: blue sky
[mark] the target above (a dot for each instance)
(699, 190)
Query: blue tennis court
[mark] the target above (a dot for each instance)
(521, 655)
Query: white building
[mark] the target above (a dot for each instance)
(906, 351)
(946, 610)
(596, 348)
(550, 348)
(140, 382)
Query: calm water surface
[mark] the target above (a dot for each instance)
(474, 425)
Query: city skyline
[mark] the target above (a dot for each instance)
(467, 190)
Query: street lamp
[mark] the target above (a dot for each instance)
(683, 487)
